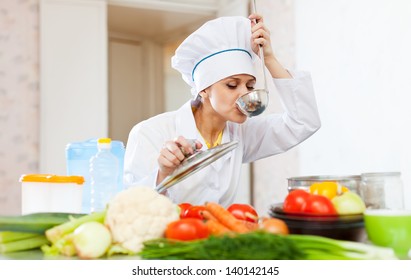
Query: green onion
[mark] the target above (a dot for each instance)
(318, 247)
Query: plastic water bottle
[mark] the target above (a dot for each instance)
(104, 172)
(78, 155)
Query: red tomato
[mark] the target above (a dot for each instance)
(243, 212)
(183, 208)
(295, 201)
(187, 229)
(318, 204)
(194, 212)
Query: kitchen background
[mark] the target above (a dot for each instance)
(71, 70)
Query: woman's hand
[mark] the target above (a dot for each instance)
(173, 153)
(261, 36)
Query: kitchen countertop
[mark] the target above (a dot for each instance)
(38, 255)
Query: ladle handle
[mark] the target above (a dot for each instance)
(261, 51)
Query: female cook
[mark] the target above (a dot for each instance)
(217, 61)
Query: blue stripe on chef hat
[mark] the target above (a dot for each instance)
(230, 50)
(218, 49)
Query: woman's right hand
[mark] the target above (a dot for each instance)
(172, 154)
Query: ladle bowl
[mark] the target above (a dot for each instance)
(253, 103)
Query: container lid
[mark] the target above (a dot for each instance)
(50, 178)
(92, 144)
(381, 174)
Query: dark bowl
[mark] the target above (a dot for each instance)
(342, 227)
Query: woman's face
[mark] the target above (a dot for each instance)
(223, 95)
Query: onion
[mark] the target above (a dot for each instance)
(274, 225)
(91, 240)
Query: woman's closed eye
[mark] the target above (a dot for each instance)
(234, 86)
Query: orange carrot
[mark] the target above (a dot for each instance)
(207, 215)
(225, 217)
(216, 228)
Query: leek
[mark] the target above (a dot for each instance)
(7, 236)
(23, 244)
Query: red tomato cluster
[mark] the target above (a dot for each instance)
(191, 225)
(300, 201)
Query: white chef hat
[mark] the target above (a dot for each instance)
(218, 49)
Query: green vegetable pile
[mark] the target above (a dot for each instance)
(21, 233)
(60, 233)
(263, 246)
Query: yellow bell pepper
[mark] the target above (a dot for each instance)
(328, 189)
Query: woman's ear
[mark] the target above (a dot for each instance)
(203, 94)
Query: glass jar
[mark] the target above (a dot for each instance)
(382, 190)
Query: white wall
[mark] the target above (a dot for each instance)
(125, 86)
(358, 52)
(73, 72)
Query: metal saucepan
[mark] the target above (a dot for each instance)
(352, 182)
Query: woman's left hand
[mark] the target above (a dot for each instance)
(260, 36)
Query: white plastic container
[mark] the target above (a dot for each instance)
(51, 193)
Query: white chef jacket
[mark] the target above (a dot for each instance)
(258, 137)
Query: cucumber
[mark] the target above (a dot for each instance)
(36, 222)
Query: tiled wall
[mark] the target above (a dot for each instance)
(19, 98)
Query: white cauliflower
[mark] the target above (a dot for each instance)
(138, 214)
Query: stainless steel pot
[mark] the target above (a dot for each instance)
(352, 182)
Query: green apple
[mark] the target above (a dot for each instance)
(348, 203)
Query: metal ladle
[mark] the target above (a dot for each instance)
(254, 102)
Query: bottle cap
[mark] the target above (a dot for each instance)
(104, 140)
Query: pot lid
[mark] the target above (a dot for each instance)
(194, 163)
